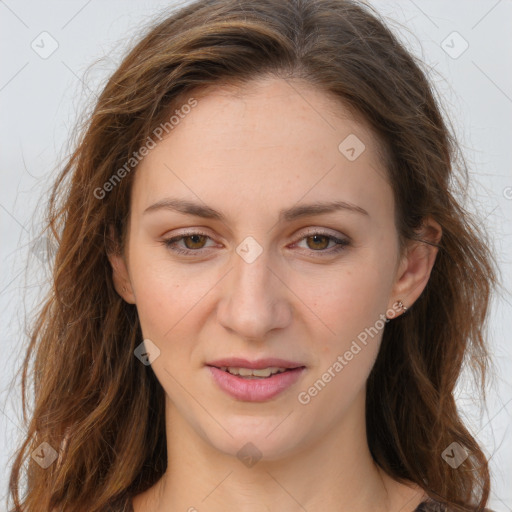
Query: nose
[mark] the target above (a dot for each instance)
(255, 299)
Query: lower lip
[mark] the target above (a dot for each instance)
(255, 390)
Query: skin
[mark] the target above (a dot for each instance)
(250, 152)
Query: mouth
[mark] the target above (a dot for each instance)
(255, 381)
(248, 373)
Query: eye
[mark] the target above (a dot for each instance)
(193, 242)
(316, 241)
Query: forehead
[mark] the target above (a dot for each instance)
(284, 106)
(260, 142)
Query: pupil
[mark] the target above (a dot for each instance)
(194, 238)
(316, 237)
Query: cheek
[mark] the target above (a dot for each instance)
(167, 299)
(351, 299)
(161, 294)
(174, 301)
(352, 302)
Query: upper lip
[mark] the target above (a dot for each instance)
(238, 362)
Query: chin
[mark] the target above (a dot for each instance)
(256, 438)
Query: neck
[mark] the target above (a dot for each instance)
(201, 477)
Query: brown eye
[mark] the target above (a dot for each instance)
(324, 244)
(187, 244)
(320, 242)
(197, 241)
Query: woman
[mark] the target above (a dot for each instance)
(265, 286)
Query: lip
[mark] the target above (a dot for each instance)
(255, 390)
(238, 362)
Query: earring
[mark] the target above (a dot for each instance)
(401, 305)
(393, 312)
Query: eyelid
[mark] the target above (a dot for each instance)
(307, 232)
(322, 231)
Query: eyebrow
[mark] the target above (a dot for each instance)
(295, 212)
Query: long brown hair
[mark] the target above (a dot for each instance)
(99, 408)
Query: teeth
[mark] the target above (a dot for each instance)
(250, 373)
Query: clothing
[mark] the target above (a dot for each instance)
(430, 506)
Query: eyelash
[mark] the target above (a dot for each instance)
(340, 243)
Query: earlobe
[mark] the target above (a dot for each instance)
(120, 276)
(415, 268)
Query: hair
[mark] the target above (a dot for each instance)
(88, 386)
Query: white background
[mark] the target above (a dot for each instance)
(40, 100)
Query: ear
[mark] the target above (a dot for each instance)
(120, 275)
(416, 264)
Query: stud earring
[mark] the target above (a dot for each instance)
(397, 307)
(401, 305)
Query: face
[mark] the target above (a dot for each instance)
(251, 272)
